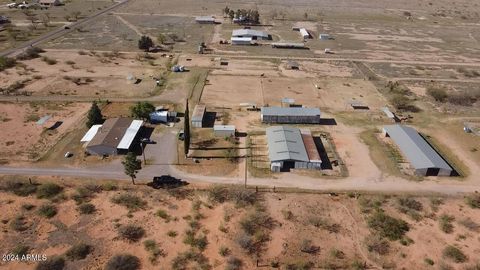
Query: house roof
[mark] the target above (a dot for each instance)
(48, 1)
(310, 146)
(233, 39)
(111, 132)
(130, 134)
(90, 133)
(304, 32)
(224, 127)
(290, 111)
(414, 147)
(205, 18)
(198, 112)
(387, 111)
(249, 32)
(285, 143)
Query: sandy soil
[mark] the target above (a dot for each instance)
(23, 139)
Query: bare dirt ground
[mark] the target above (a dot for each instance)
(22, 139)
(299, 229)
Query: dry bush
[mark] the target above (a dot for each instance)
(473, 200)
(78, 252)
(86, 208)
(53, 263)
(377, 245)
(445, 223)
(454, 254)
(48, 190)
(233, 263)
(19, 224)
(470, 224)
(123, 262)
(47, 210)
(131, 232)
(19, 188)
(307, 246)
(130, 201)
(438, 93)
(387, 226)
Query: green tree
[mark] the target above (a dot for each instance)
(144, 43)
(161, 38)
(142, 110)
(186, 130)
(226, 10)
(131, 165)
(94, 115)
(231, 14)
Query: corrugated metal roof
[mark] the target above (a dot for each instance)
(418, 152)
(387, 111)
(310, 146)
(288, 44)
(288, 100)
(130, 134)
(304, 32)
(290, 111)
(111, 132)
(249, 32)
(44, 119)
(198, 113)
(285, 143)
(246, 39)
(90, 133)
(205, 18)
(224, 127)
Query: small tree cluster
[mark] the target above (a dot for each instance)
(94, 115)
(142, 110)
(145, 43)
(250, 16)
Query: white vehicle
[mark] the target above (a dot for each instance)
(12, 5)
(23, 6)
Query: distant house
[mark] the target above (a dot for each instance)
(288, 147)
(224, 130)
(114, 137)
(290, 115)
(205, 20)
(198, 115)
(288, 45)
(324, 37)
(49, 3)
(250, 33)
(293, 65)
(304, 33)
(242, 41)
(421, 155)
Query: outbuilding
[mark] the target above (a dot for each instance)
(421, 155)
(241, 41)
(49, 3)
(288, 45)
(114, 137)
(288, 148)
(198, 115)
(324, 37)
(205, 19)
(290, 115)
(304, 33)
(224, 130)
(254, 34)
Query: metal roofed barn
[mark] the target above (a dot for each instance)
(224, 130)
(286, 149)
(198, 115)
(304, 33)
(241, 41)
(422, 157)
(254, 34)
(290, 115)
(288, 45)
(90, 133)
(205, 19)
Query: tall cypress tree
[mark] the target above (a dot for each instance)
(94, 115)
(186, 131)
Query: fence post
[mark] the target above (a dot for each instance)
(256, 189)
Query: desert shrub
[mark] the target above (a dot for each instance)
(254, 221)
(233, 263)
(182, 260)
(152, 247)
(324, 224)
(200, 242)
(223, 251)
(299, 265)
(172, 233)
(163, 214)
(18, 224)
(473, 200)
(47, 210)
(463, 99)
(132, 233)
(6, 62)
(131, 202)
(429, 261)
(377, 245)
(454, 254)
(406, 241)
(27, 206)
(48, 190)
(86, 208)
(240, 196)
(123, 262)
(82, 195)
(337, 254)
(473, 267)
(78, 252)
(21, 250)
(30, 53)
(470, 224)
(403, 103)
(367, 204)
(109, 186)
(82, 52)
(445, 223)
(387, 226)
(468, 72)
(435, 203)
(439, 94)
(49, 61)
(358, 265)
(70, 62)
(53, 263)
(409, 203)
(19, 188)
(307, 246)
(288, 215)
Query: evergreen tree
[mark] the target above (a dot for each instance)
(144, 43)
(186, 131)
(94, 116)
(142, 110)
(131, 165)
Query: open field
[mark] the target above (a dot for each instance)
(312, 230)
(22, 139)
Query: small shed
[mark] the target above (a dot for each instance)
(198, 115)
(358, 105)
(159, 117)
(324, 37)
(50, 2)
(288, 45)
(304, 33)
(287, 102)
(388, 113)
(224, 130)
(241, 41)
(205, 19)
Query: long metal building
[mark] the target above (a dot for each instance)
(290, 115)
(198, 115)
(288, 147)
(254, 34)
(422, 157)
